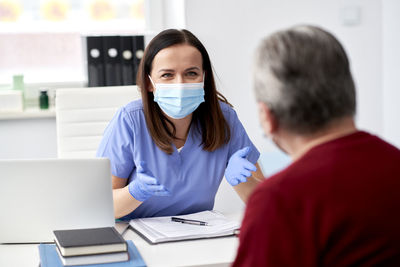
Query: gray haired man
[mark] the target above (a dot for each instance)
(338, 203)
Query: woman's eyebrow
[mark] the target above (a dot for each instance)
(193, 68)
(167, 70)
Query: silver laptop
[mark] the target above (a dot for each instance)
(41, 195)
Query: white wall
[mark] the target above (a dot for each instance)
(164, 14)
(391, 70)
(231, 30)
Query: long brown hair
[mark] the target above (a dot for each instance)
(208, 116)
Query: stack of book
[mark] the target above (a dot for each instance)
(89, 246)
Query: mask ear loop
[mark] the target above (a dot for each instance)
(154, 85)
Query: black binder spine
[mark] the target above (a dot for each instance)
(138, 48)
(95, 58)
(112, 60)
(127, 65)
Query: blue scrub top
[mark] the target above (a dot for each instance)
(192, 175)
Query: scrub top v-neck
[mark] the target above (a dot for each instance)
(192, 176)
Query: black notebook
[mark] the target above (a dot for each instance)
(89, 241)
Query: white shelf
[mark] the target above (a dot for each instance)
(29, 113)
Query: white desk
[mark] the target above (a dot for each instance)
(203, 252)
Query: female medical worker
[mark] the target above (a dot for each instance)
(170, 150)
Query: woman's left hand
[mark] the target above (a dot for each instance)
(239, 168)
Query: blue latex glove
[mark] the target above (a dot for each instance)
(239, 168)
(145, 185)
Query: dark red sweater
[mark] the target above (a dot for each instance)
(338, 205)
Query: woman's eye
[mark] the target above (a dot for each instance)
(166, 75)
(192, 73)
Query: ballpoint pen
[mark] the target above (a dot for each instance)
(195, 222)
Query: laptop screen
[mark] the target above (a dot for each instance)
(41, 195)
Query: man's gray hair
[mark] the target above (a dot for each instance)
(303, 75)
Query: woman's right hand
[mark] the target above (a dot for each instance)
(145, 185)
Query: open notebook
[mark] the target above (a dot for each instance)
(163, 229)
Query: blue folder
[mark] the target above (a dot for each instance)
(49, 257)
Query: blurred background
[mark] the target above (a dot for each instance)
(42, 48)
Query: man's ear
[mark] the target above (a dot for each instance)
(267, 119)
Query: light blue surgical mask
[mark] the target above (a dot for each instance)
(178, 100)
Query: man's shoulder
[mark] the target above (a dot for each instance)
(380, 143)
(334, 162)
(297, 180)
